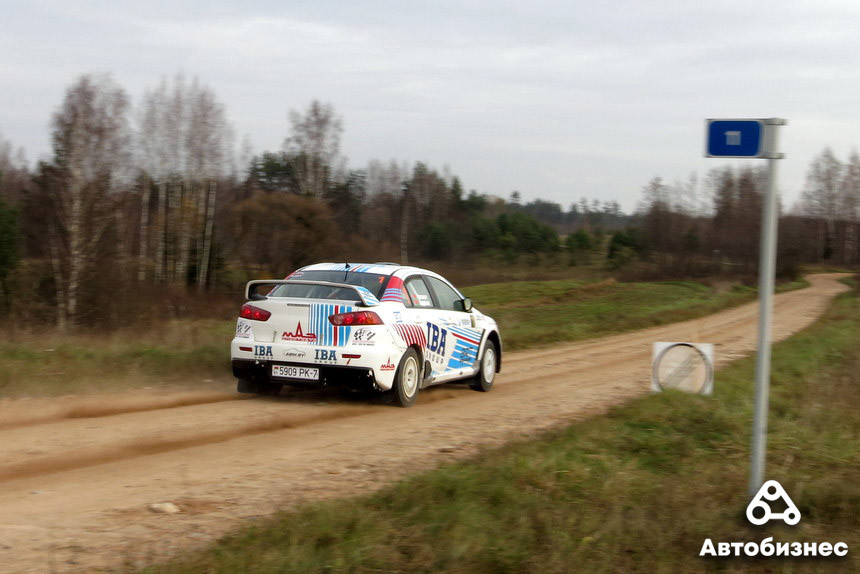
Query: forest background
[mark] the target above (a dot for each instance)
(146, 212)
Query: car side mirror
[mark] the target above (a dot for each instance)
(464, 305)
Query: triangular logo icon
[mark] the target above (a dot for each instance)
(759, 511)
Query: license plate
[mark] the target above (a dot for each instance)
(290, 372)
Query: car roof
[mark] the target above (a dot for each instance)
(382, 268)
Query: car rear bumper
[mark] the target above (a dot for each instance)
(361, 366)
(260, 372)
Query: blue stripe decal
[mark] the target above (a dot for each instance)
(316, 325)
(327, 334)
(474, 334)
(465, 354)
(368, 297)
(392, 295)
(343, 332)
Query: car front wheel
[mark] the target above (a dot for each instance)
(407, 379)
(483, 381)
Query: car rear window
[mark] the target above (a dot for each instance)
(373, 282)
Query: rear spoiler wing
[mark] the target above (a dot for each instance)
(368, 299)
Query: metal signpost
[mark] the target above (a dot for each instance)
(756, 139)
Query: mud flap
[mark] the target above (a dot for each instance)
(243, 386)
(425, 376)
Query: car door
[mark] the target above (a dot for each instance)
(450, 333)
(418, 314)
(433, 323)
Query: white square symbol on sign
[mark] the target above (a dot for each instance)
(733, 138)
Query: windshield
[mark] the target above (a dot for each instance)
(371, 281)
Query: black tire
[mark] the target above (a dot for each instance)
(483, 381)
(407, 379)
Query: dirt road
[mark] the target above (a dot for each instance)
(78, 473)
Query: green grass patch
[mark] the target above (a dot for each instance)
(533, 313)
(637, 490)
(176, 352)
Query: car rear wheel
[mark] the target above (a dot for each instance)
(407, 379)
(483, 381)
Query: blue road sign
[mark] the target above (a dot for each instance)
(735, 138)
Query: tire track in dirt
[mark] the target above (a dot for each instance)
(69, 441)
(35, 463)
(41, 411)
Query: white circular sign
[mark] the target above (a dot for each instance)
(683, 366)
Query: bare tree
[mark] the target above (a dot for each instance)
(823, 181)
(658, 217)
(159, 142)
(385, 179)
(186, 143)
(14, 174)
(209, 142)
(314, 145)
(850, 206)
(385, 203)
(821, 198)
(91, 143)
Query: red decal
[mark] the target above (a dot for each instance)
(336, 307)
(412, 334)
(393, 291)
(299, 335)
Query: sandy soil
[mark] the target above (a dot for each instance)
(78, 473)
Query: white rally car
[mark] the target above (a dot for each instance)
(381, 326)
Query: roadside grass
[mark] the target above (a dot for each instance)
(175, 352)
(196, 351)
(636, 490)
(533, 313)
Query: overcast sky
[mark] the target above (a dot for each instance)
(556, 99)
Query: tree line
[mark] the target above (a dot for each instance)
(140, 204)
(148, 201)
(689, 229)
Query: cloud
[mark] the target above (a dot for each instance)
(555, 99)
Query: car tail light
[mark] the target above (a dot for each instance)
(355, 318)
(255, 313)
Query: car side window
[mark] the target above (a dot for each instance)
(407, 298)
(418, 292)
(446, 296)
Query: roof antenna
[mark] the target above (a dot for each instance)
(346, 271)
